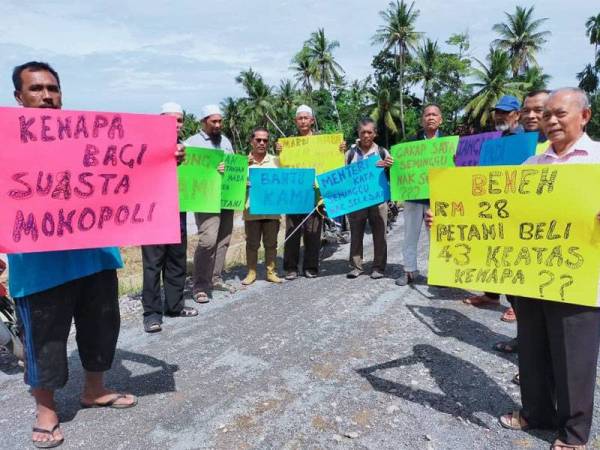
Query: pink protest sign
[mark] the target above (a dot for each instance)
(74, 179)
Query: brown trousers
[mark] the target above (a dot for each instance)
(311, 233)
(265, 229)
(214, 232)
(377, 217)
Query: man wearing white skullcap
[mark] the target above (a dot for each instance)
(312, 227)
(214, 229)
(166, 260)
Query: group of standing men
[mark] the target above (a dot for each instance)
(52, 289)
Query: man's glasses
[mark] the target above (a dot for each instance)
(258, 140)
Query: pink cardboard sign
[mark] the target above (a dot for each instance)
(75, 179)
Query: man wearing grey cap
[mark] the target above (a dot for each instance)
(214, 229)
(168, 260)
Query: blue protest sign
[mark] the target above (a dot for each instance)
(509, 150)
(282, 191)
(353, 187)
(469, 148)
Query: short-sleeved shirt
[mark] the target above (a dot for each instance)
(268, 162)
(583, 151)
(37, 272)
(203, 140)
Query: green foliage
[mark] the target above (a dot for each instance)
(521, 37)
(191, 126)
(593, 127)
(409, 70)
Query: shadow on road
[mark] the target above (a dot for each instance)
(121, 379)
(446, 322)
(466, 388)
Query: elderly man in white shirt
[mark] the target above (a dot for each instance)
(558, 342)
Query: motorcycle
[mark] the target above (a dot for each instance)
(9, 328)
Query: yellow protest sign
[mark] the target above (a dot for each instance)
(523, 230)
(542, 147)
(320, 152)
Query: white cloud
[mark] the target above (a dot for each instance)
(128, 54)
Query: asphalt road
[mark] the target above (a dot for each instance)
(310, 364)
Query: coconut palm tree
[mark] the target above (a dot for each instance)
(398, 34)
(258, 105)
(424, 67)
(232, 119)
(535, 79)
(286, 100)
(521, 37)
(304, 72)
(588, 79)
(492, 82)
(592, 30)
(384, 109)
(327, 71)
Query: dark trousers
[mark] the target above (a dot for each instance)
(558, 355)
(377, 217)
(46, 319)
(494, 295)
(168, 261)
(311, 234)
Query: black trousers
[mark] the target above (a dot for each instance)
(558, 356)
(46, 319)
(311, 234)
(168, 261)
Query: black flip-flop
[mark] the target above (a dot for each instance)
(47, 444)
(112, 403)
(506, 346)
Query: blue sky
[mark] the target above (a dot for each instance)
(133, 55)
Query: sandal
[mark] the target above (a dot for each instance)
(152, 327)
(514, 421)
(506, 346)
(201, 297)
(222, 286)
(516, 380)
(112, 403)
(186, 311)
(509, 315)
(47, 444)
(481, 300)
(559, 443)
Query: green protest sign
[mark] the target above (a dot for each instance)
(412, 161)
(233, 187)
(199, 180)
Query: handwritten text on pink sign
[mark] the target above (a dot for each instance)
(73, 179)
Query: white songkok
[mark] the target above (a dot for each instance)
(210, 110)
(171, 107)
(304, 109)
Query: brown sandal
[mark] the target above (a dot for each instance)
(509, 315)
(201, 297)
(481, 300)
(514, 421)
(559, 443)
